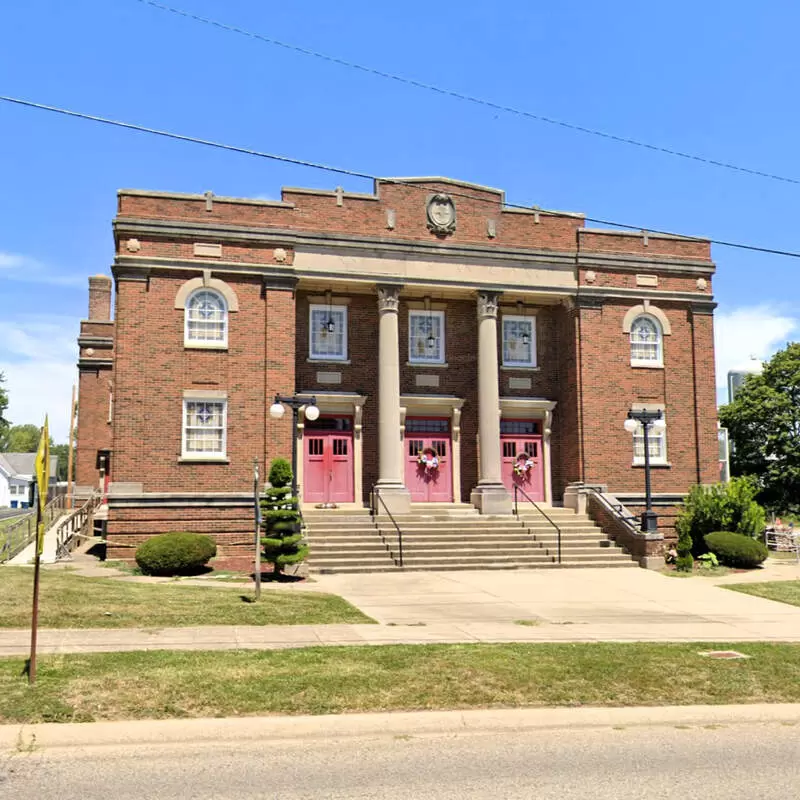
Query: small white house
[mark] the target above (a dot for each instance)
(17, 474)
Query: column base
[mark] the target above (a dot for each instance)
(395, 497)
(491, 498)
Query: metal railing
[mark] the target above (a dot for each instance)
(520, 491)
(16, 536)
(77, 525)
(617, 509)
(376, 495)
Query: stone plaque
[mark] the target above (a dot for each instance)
(208, 250)
(427, 380)
(329, 377)
(519, 383)
(647, 280)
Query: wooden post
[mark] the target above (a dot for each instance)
(70, 486)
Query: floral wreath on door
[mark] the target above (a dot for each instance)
(523, 465)
(428, 460)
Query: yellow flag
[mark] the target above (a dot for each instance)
(43, 480)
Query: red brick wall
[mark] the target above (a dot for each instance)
(610, 386)
(94, 431)
(153, 369)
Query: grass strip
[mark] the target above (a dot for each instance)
(72, 601)
(782, 591)
(330, 680)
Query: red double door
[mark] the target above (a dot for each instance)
(428, 456)
(523, 461)
(328, 460)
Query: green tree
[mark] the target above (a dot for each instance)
(23, 439)
(763, 423)
(4, 423)
(62, 451)
(283, 537)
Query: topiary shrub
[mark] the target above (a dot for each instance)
(721, 507)
(283, 537)
(175, 554)
(280, 473)
(736, 550)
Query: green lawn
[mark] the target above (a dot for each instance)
(70, 601)
(329, 680)
(782, 591)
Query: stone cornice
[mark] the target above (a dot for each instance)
(95, 363)
(602, 293)
(180, 500)
(311, 240)
(96, 341)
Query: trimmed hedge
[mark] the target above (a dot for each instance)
(175, 554)
(736, 549)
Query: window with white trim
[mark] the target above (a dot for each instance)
(656, 441)
(426, 337)
(205, 425)
(206, 319)
(647, 342)
(519, 341)
(327, 340)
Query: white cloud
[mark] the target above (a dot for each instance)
(37, 356)
(749, 331)
(25, 269)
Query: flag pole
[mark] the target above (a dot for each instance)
(35, 613)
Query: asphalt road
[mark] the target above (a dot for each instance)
(743, 761)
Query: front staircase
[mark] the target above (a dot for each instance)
(455, 537)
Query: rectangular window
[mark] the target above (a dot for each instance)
(204, 428)
(327, 339)
(519, 341)
(657, 442)
(426, 337)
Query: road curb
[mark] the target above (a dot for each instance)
(17, 738)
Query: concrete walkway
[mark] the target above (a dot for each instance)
(28, 555)
(582, 605)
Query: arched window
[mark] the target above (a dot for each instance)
(647, 342)
(206, 319)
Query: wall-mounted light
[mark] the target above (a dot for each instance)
(330, 325)
(431, 338)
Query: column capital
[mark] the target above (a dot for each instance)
(487, 304)
(388, 297)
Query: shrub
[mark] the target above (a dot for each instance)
(175, 554)
(736, 550)
(283, 538)
(684, 563)
(721, 507)
(280, 473)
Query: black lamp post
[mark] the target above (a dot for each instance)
(295, 402)
(655, 420)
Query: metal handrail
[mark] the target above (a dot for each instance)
(615, 509)
(518, 489)
(377, 495)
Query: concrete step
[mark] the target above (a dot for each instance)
(472, 567)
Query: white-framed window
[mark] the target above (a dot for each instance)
(205, 424)
(206, 319)
(647, 342)
(426, 337)
(519, 341)
(327, 337)
(657, 443)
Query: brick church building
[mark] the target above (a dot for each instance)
(455, 346)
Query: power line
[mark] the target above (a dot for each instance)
(364, 175)
(471, 98)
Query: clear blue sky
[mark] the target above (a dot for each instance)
(713, 78)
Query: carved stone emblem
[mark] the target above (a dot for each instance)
(441, 214)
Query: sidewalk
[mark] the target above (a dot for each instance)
(276, 637)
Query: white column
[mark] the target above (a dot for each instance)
(490, 496)
(390, 481)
